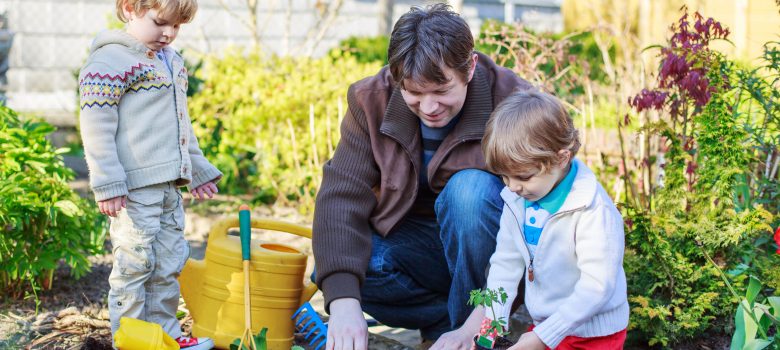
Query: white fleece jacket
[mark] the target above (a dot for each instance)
(134, 120)
(579, 285)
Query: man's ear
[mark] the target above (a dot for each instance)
(474, 58)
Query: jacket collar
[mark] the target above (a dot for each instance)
(582, 192)
(403, 125)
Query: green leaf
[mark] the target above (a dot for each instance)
(236, 342)
(775, 303)
(752, 290)
(738, 339)
(260, 339)
(68, 208)
(750, 326)
(756, 344)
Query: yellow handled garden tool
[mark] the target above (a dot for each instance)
(245, 227)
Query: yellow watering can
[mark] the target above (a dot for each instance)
(213, 288)
(134, 334)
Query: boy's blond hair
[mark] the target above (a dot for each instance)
(526, 131)
(178, 11)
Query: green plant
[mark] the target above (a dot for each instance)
(559, 63)
(269, 123)
(491, 327)
(675, 224)
(365, 49)
(755, 319)
(260, 341)
(42, 220)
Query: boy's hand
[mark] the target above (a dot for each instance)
(112, 206)
(459, 339)
(207, 189)
(463, 337)
(529, 341)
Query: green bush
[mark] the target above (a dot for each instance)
(42, 220)
(561, 63)
(676, 290)
(269, 123)
(365, 49)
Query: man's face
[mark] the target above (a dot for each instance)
(437, 104)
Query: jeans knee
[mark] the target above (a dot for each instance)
(469, 192)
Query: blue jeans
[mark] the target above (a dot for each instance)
(420, 275)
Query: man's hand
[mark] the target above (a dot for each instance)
(529, 341)
(112, 206)
(207, 189)
(347, 329)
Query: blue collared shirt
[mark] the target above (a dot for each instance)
(537, 213)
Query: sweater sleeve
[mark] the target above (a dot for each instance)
(341, 231)
(599, 248)
(202, 170)
(100, 89)
(506, 265)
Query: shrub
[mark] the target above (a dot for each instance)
(269, 123)
(559, 63)
(42, 220)
(365, 49)
(694, 212)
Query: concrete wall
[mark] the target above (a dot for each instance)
(52, 36)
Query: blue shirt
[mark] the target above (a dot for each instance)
(537, 213)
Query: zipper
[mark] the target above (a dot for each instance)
(528, 250)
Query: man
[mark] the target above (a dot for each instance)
(406, 217)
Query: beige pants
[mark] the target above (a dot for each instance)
(149, 253)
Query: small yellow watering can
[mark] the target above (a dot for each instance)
(213, 288)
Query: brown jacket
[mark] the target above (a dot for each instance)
(372, 180)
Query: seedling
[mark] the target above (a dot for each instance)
(491, 328)
(258, 340)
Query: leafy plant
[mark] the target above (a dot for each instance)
(269, 123)
(42, 220)
(365, 49)
(491, 328)
(259, 338)
(561, 64)
(675, 223)
(754, 319)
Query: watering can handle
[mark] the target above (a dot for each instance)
(220, 230)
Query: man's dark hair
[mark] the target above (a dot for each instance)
(424, 40)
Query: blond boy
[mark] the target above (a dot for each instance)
(560, 234)
(140, 148)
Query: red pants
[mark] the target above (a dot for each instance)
(608, 342)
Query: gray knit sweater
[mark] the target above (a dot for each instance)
(134, 120)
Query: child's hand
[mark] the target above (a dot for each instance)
(529, 341)
(207, 189)
(458, 339)
(112, 206)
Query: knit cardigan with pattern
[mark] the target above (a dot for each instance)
(134, 120)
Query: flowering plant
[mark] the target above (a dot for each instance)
(491, 328)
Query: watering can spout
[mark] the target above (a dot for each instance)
(308, 291)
